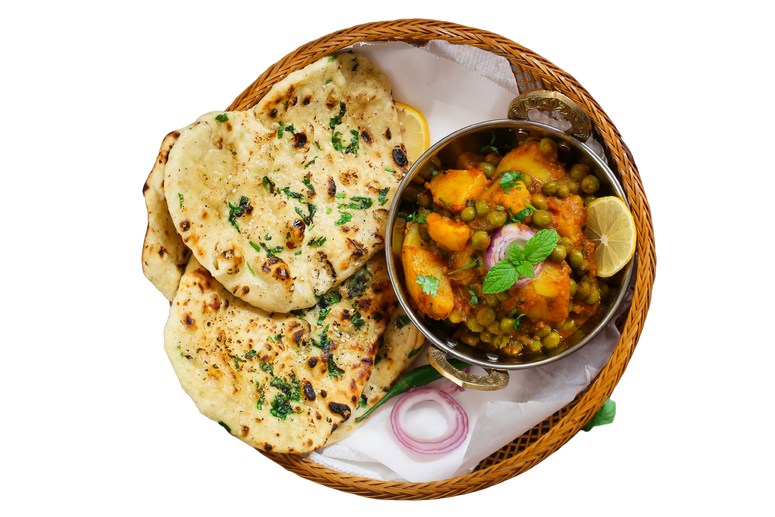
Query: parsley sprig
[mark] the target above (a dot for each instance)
(520, 262)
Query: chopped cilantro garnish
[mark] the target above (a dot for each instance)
(383, 196)
(357, 320)
(345, 217)
(306, 180)
(402, 321)
(509, 180)
(268, 184)
(429, 284)
(237, 211)
(361, 203)
(222, 117)
(337, 119)
(180, 196)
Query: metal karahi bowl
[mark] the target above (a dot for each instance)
(474, 137)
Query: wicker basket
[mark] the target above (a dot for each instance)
(532, 72)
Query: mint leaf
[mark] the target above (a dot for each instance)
(605, 415)
(515, 252)
(525, 268)
(540, 246)
(500, 277)
(429, 284)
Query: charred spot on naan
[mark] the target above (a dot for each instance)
(278, 269)
(295, 233)
(228, 260)
(322, 257)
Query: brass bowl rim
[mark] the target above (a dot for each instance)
(448, 347)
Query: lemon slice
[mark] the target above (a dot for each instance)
(414, 131)
(611, 227)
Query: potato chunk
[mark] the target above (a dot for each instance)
(447, 233)
(418, 259)
(528, 159)
(517, 198)
(547, 297)
(453, 188)
(568, 217)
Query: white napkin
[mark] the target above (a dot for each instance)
(454, 86)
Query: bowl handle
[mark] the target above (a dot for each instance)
(552, 101)
(495, 380)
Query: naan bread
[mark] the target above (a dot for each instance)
(164, 254)
(286, 200)
(279, 382)
(400, 340)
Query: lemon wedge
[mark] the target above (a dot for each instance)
(414, 131)
(611, 227)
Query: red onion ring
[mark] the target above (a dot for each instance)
(499, 248)
(457, 422)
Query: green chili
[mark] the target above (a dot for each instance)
(419, 376)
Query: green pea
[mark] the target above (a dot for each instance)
(480, 240)
(494, 328)
(563, 191)
(539, 201)
(604, 289)
(410, 194)
(468, 214)
(572, 287)
(559, 253)
(497, 218)
(425, 199)
(551, 341)
(568, 324)
(549, 188)
(576, 258)
(488, 169)
(485, 336)
(578, 171)
(474, 326)
(500, 341)
(543, 332)
(535, 345)
(423, 231)
(492, 301)
(548, 146)
(446, 213)
(566, 241)
(542, 218)
(594, 296)
(573, 187)
(588, 200)
(493, 158)
(590, 184)
(507, 325)
(469, 338)
(583, 289)
(485, 316)
(527, 179)
(482, 208)
(585, 266)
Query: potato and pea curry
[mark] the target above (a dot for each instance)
(493, 246)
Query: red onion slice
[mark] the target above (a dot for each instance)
(499, 248)
(457, 422)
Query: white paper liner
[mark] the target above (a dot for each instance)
(455, 86)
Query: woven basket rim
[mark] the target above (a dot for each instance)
(569, 420)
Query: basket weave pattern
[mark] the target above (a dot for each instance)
(531, 71)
